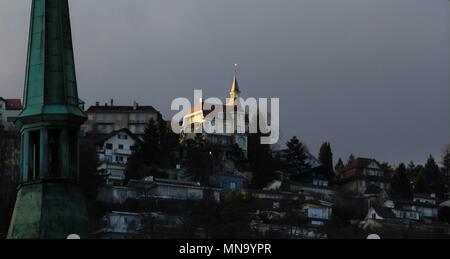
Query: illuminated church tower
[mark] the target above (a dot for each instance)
(235, 91)
(50, 204)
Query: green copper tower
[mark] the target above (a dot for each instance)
(50, 204)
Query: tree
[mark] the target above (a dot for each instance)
(238, 154)
(261, 161)
(430, 179)
(134, 164)
(340, 165)
(199, 159)
(446, 167)
(401, 185)
(351, 158)
(234, 217)
(296, 156)
(150, 145)
(421, 185)
(168, 143)
(326, 156)
(90, 177)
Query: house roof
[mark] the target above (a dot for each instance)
(384, 212)
(13, 104)
(359, 162)
(101, 138)
(121, 109)
(445, 204)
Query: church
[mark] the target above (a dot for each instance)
(229, 114)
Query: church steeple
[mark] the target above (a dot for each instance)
(49, 203)
(235, 91)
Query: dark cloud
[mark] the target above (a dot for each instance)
(370, 76)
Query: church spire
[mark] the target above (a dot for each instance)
(50, 204)
(235, 91)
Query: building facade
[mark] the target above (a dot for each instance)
(229, 115)
(364, 175)
(108, 118)
(113, 152)
(9, 111)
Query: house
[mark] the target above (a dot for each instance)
(309, 191)
(317, 176)
(319, 212)
(166, 189)
(427, 206)
(227, 181)
(143, 225)
(400, 211)
(422, 207)
(377, 212)
(9, 111)
(310, 158)
(364, 176)
(109, 118)
(285, 214)
(113, 152)
(120, 225)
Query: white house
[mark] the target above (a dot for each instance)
(114, 151)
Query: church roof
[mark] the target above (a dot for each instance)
(235, 85)
(50, 83)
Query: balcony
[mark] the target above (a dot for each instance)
(124, 152)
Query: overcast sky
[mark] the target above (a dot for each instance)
(370, 76)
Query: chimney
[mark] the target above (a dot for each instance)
(97, 104)
(135, 106)
(112, 102)
(106, 104)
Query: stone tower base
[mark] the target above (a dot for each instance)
(49, 210)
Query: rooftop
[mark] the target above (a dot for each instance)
(119, 109)
(13, 104)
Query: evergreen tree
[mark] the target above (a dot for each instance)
(90, 177)
(421, 185)
(446, 168)
(430, 179)
(260, 159)
(401, 185)
(340, 165)
(326, 156)
(351, 158)
(433, 176)
(150, 150)
(199, 159)
(296, 156)
(134, 165)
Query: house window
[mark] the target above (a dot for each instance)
(119, 159)
(120, 136)
(276, 205)
(317, 213)
(120, 147)
(317, 223)
(108, 158)
(233, 185)
(109, 146)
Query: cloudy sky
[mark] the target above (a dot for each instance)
(370, 76)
